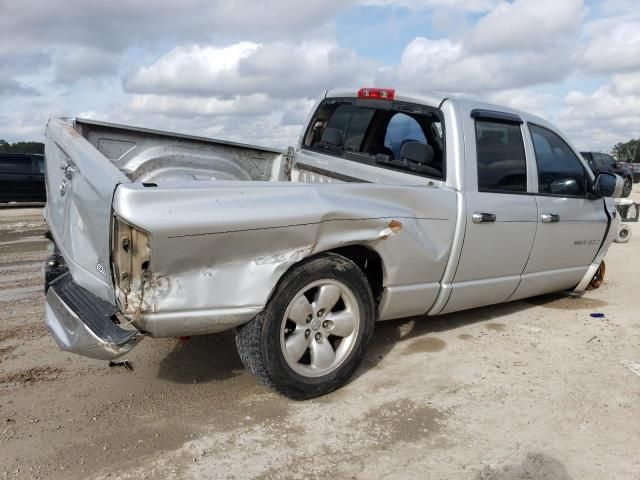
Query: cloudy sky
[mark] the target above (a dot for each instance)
(249, 71)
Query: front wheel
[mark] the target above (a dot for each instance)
(626, 188)
(313, 334)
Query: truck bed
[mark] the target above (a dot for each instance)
(146, 155)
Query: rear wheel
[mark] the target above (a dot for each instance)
(314, 331)
(626, 188)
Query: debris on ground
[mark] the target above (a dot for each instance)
(123, 363)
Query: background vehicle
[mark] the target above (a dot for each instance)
(22, 178)
(602, 162)
(635, 170)
(389, 206)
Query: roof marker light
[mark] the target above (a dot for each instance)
(377, 93)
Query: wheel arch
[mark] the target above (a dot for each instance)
(366, 259)
(369, 262)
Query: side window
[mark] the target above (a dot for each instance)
(502, 165)
(402, 128)
(15, 164)
(560, 172)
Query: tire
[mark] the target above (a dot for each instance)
(624, 234)
(627, 187)
(303, 319)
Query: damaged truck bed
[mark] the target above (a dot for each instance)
(389, 206)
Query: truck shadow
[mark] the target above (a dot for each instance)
(202, 359)
(207, 358)
(388, 334)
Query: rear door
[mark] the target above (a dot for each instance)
(501, 211)
(571, 226)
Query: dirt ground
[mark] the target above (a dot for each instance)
(534, 389)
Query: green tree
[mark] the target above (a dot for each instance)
(21, 147)
(627, 151)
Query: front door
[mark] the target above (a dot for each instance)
(571, 226)
(501, 215)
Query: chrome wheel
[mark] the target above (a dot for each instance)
(319, 328)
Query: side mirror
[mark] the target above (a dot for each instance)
(564, 186)
(608, 184)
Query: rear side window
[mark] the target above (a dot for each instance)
(410, 140)
(502, 164)
(560, 172)
(15, 164)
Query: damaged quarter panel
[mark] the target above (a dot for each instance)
(217, 250)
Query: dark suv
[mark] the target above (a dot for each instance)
(22, 178)
(601, 162)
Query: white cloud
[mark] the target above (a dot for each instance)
(279, 69)
(525, 99)
(243, 105)
(11, 86)
(468, 5)
(81, 63)
(119, 24)
(192, 69)
(598, 120)
(526, 25)
(445, 66)
(626, 83)
(612, 46)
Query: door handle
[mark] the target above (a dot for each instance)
(550, 217)
(479, 217)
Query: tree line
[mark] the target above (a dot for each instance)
(627, 152)
(21, 147)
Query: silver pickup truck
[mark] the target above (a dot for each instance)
(389, 206)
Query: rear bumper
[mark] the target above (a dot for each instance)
(83, 323)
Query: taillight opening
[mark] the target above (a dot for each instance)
(130, 256)
(377, 93)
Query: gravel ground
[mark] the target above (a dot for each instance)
(534, 389)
